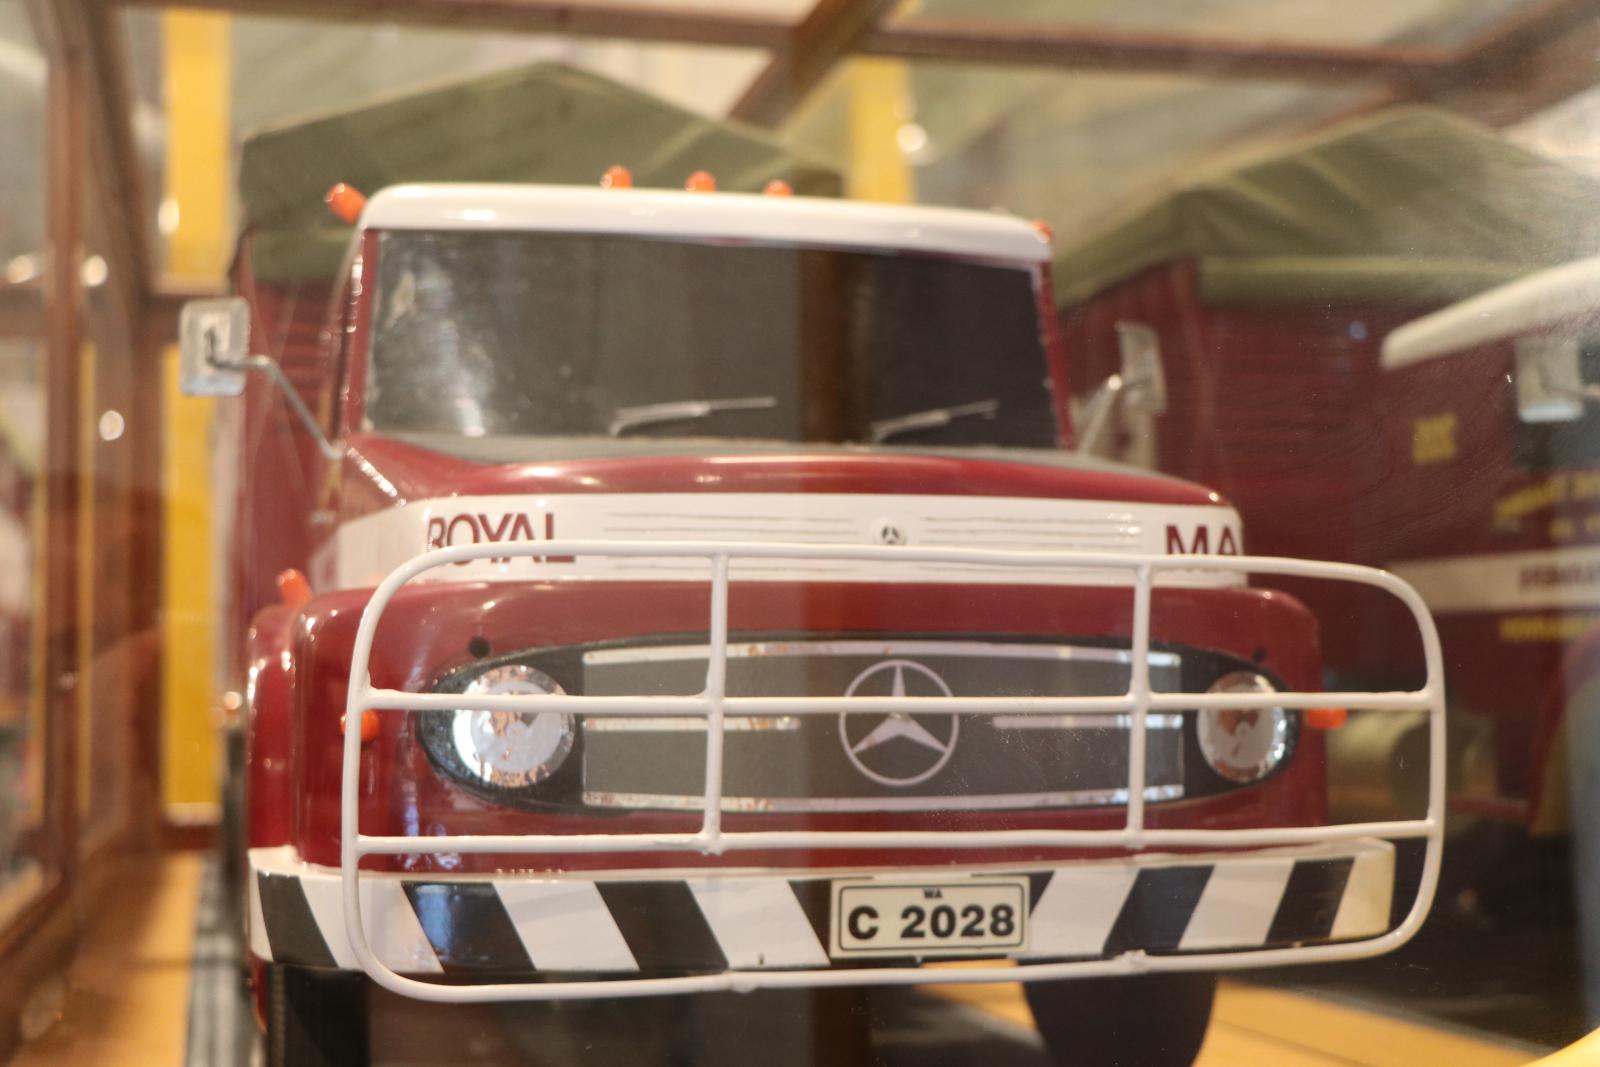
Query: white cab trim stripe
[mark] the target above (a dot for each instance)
(1565, 294)
(364, 550)
(789, 220)
(1507, 581)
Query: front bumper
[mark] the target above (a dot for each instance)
(657, 924)
(1263, 896)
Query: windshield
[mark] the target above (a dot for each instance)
(562, 334)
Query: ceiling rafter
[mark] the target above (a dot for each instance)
(829, 32)
(683, 24)
(848, 25)
(1108, 49)
(1489, 66)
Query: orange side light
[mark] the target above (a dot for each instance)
(778, 187)
(346, 202)
(1326, 718)
(369, 726)
(293, 589)
(701, 181)
(617, 177)
(1043, 229)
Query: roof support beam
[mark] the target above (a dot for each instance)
(1533, 59)
(837, 27)
(677, 25)
(1106, 49)
(1537, 57)
(829, 32)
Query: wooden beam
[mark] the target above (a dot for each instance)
(1101, 48)
(1520, 34)
(1536, 57)
(66, 104)
(831, 30)
(678, 24)
(117, 174)
(21, 311)
(837, 27)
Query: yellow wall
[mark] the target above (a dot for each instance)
(197, 90)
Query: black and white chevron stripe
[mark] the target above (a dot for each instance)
(711, 922)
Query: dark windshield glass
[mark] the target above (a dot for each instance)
(562, 334)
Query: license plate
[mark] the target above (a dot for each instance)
(942, 917)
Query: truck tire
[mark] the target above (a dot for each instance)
(1148, 1020)
(315, 1018)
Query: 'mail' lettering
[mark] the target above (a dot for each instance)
(1200, 543)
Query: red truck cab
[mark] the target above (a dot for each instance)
(1488, 409)
(700, 593)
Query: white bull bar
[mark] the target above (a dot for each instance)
(714, 704)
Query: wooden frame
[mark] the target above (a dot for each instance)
(80, 117)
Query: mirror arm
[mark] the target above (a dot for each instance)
(275, 371)
(1098, 417)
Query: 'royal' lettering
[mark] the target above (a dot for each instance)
(466, 528)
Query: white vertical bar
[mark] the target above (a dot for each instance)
(716, 690)
(1139, 692)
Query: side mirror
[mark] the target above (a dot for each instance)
(1550, 385)
(1140, 389)
(1144, 380)
(213, 346)
(214, 357)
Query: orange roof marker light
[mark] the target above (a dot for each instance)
(293, 589)
(1043, 229)
(346, 202)
(778, 187)
(701, 181)
(617, 177)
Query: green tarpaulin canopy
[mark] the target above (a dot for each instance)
(543, 123)
(1412, 206)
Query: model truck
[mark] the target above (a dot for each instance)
(1488, 407)
(701, 596)
(1271, 285)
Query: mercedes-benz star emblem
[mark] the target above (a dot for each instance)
(889, 533)
(898, 749)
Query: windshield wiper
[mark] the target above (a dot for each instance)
(625, 419)
(880, 431)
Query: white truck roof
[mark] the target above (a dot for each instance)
(1538, 300)
(719, 216)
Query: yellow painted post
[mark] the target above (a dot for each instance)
(879, 107)
(196, 60)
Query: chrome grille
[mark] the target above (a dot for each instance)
(877, 762)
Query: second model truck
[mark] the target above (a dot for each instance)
(701, 595)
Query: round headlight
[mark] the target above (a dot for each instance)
(1243, 744)
(509, 749)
